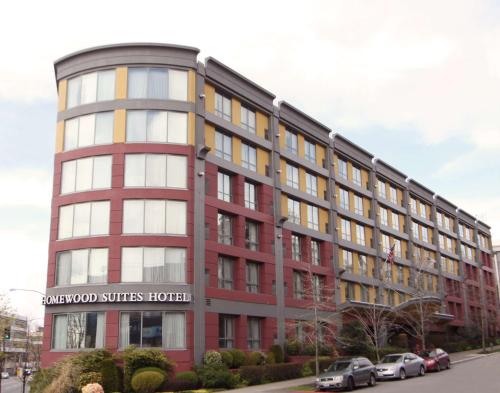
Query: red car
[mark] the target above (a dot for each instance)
(436, 360)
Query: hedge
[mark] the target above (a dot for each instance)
(255, 375)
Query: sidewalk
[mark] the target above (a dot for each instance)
(457, 357)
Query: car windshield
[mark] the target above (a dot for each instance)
(391, 359)
(428, 354)
(337, 366)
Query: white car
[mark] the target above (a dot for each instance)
(5, 375)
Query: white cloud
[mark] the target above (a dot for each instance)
(25, 188)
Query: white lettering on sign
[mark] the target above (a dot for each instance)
(117, 297)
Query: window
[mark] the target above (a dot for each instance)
(363, 265)
(312, 217)
(291, 142)
(390, 297)
(224, 229)
(461, 230)
(342, 168)
(225, 273)
(414, 229)
(224, 187)
(223, 146)
(250, 196)
(253, 333)
(78, 330)
(467, 233)
(394, 195)
(397, 248)
(154, 216)
(157, 83)
(356, 176)
(248, 157)
(247, 119)
(400, 276)
(349, 291)
(252, 276)
(347, 261)
(226, 331)
(385, 243)
(153, 264)
(364, 294)
(381, 189)
(395, 221)
(155, 171)
(358, 205)
(315, 253)
(383, 216)
(252, 235)
(344, 199)
(296, 248)
(88, 130)
(447, 223)
(424, 234)
(423, 210)
(317, 285)
(360, 234)
(345, 229)
(439, 219)
(85, 266)
(84, 219)
(153, 329)
(298, 285)
(294, 211)
(222, 106)
(441, 241)
(310, 151)
(156, 126)
(311, 184)
(92, 87)
(292, 176)
(413, 205)
(91, 173)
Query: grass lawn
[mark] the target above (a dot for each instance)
(303, 388)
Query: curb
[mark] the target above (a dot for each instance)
(478, 356)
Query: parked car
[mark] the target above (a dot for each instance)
(5, 375)
(400, 365)
(347, 374)
(436, 360)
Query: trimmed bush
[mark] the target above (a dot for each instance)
(238, 357)
(309, 367)
(270, 358)
(293, 347)
(147, 381)
(187, 380)
(111, 378)
(308, 350)
(255, 359)
(212, 358)
(217, 377)
(41, 379)
(155, 369)
(89, 378)
(227, 358)
(253, 375)
(277, 351)
(91, 360)
(282, 372)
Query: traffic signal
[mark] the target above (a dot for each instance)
(6, 333)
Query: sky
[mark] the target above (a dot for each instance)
(416, 83)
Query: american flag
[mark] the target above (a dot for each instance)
(390, 255)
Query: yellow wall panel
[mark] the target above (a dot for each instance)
(357, 292)
(284, 205)
(342, 291)
(301, 145)
(366, 207)
(121, 83)
(302, 179)
(236, 111)
(400, 196)
(371, 265)
(372, 294)
(394, 273)
(303, 214)
(406, 275)
(210, 137)
(364, 178)
(368, 236)
(191, 86)
(63, 92)
(261, 124)
(236, 142)
(120, 126)
(209, 98)
(321, 187)
(349, 170)
(283, 171)
(404, 248)
(282, 129)
(336, 164)
(262, 161)
(323, 220)
(401, 223)
(355, 263)
(351, 201)
(60, 136)
(320, 155)
(191, 126)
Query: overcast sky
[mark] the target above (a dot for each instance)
(417, 83)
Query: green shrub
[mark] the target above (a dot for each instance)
(155, 369)
(355, 339)
(270, 358)
(212, 358)
(217, 377)
(238, 357)
(135, 359)
(282, 372)
(309, 367)
(147, 381)
(255, 359)
(309, 350)
(66, 375)
(42, 379)
(89, 377)
(253, 375)
(187, 380)
(293, 347)
(227, 358)
(277, 351)
(111, 377)
(91, 360)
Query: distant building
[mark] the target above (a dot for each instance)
(496, 261)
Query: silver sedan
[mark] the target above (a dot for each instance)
(400, 366)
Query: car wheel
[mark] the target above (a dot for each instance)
(421, 372)
(438, 367)
(372, 381)
(350, 384)
(402, 374)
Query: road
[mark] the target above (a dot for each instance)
(13, 385)
(476, 376)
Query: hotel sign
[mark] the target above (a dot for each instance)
(117, 297)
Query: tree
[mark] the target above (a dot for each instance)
(5, 322)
